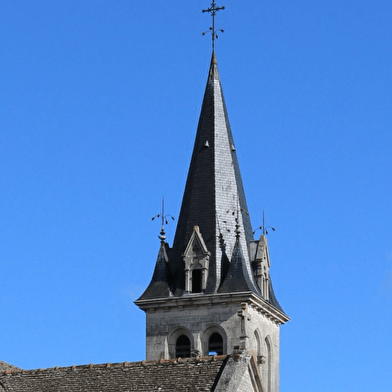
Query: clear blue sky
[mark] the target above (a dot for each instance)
(99, 103)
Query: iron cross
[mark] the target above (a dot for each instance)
(213, 10)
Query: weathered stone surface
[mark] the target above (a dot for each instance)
(239, 375)
(262, 334)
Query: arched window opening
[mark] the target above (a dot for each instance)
(196, 281)
(215, 344)
(257, 347)
(183, 347)
(258, 351)
(267, 371)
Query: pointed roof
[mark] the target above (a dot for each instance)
(159, 286)
(237, 278)
(213, 191)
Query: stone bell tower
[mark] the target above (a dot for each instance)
(211, 292)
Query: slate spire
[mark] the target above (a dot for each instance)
(214, 192)
(213, 249)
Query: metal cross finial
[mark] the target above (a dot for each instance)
(213, 10)
(163, 217)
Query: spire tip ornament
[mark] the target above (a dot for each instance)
(213, 10)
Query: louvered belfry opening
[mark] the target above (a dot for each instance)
(215, 344)
(183, 347)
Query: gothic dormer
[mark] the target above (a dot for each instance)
(196, 258)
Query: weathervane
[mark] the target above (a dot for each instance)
(213, 10)
(164, 221)
(264, 228)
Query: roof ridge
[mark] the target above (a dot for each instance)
(116, 365)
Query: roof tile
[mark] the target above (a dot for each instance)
(190, 375)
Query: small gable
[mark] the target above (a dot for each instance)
(196, 254)
(196, 258)
(239, 375)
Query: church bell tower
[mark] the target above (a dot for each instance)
(211, 292)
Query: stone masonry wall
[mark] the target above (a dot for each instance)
(164, 326)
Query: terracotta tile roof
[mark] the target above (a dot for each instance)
(188, 375)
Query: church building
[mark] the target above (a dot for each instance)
(212, 317)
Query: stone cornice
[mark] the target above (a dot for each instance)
(192, 300)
